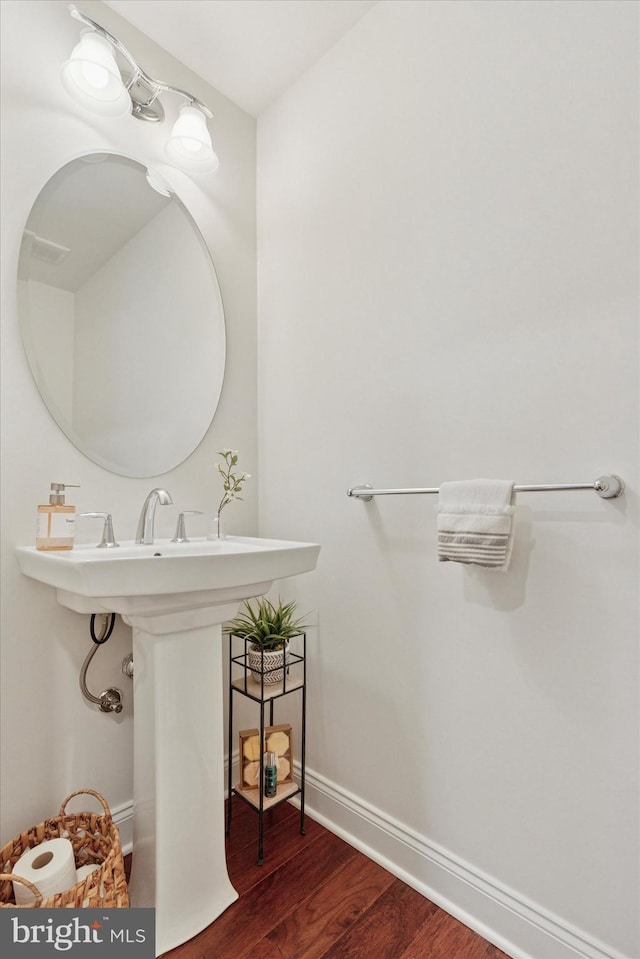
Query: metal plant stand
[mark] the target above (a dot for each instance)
(294, 678)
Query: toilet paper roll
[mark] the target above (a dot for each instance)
(82, 874)
(50, 866)
(84, 871)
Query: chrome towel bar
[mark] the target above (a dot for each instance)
(608, 487)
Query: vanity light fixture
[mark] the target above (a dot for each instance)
(93, 78)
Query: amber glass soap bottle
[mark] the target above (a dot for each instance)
(56, 520)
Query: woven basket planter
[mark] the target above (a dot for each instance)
(267, 665)
(95, 839)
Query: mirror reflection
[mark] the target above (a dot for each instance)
(121, 316)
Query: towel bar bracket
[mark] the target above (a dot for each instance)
(608, 486)
(360, 492)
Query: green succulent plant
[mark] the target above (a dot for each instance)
(268, 626)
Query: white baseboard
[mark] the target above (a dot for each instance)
(522, 929)
(123, 818)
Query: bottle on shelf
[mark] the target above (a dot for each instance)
(270, 776)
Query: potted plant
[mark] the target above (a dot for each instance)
(268, 629)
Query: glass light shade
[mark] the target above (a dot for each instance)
(91, 77)
(189, 147)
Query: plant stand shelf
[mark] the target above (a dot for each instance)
(250, 688)
(252, 796)
(264, 694)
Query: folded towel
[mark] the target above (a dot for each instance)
(475, 523)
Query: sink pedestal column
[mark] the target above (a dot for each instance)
(175, 596)
(179, 864)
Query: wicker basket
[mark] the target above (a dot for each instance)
(95, 839)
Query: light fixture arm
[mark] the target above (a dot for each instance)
(154, 86)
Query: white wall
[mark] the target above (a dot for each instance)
(447, 288)
(52, 741)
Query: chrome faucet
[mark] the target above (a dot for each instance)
(148, 514)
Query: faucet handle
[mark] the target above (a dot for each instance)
(180, 534)
(108, 539)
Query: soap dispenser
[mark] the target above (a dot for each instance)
(56, 520)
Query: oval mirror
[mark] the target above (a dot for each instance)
(121, 315)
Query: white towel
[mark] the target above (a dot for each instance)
(475, 523)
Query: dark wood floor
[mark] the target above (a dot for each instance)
(316, 897)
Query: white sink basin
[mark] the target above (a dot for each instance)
(166, 577)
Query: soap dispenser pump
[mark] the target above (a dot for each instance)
(56, 520)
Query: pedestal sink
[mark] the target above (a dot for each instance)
(175, 597)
